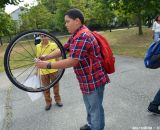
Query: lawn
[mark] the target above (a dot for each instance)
(123, 42)
(128, 42)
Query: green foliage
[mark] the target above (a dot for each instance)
(62, 7)
(49, 14)
(4, 2)
(6, 24)
(143, 9)
(37, 17)
(90, 11)
(49, 4)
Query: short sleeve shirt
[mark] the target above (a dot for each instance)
(156, 27)
(45, 51)
(83, 48)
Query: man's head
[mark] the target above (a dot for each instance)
(73, 20)
(44, 39)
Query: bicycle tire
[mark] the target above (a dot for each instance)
(8, 63)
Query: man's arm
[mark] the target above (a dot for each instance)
(55, 54)
(61, 64)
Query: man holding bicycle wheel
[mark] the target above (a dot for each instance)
(92, 82)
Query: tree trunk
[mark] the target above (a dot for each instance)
(149, 22)
(140, 24)
(110, 28)
(1, 41)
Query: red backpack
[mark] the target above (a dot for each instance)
(106, 52)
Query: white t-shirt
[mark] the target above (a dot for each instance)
(156, 27)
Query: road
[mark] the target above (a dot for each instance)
(126, 99)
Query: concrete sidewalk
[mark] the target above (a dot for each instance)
(4, 102)
(126, 99)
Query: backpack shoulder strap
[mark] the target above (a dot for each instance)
(76, 36)
(80, 32)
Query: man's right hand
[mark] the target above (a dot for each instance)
(43, 57)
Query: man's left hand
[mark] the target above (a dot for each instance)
(42, 64)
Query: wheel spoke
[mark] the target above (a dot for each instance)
(30, 73)
(27, 51)
(22, 66)
(23, 71)
(22, 54)
(32, 48)
(21, 60)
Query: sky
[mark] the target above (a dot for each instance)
(11, 8)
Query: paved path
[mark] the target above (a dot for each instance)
(126, 98)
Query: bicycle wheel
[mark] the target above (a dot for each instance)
(19, 60)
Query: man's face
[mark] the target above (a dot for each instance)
(71, 24)
(44, 39)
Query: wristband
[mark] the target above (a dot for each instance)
(49, 65)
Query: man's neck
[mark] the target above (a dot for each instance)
(44, 43)
(78, 28)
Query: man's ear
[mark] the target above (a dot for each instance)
(78, 21)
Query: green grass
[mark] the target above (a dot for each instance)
(2, 50)
(128, 42)
(123, 42)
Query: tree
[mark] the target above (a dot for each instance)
(135, 7)
(93, 11)
(6, 24)
(102, 14)
(49, 4)
(37, 17)
(62, 7)
(14, 2)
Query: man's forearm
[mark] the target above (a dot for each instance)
(53, 55)
(66, 63)
(61, 64)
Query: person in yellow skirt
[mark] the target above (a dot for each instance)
(47, 75)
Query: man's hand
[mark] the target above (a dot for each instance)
(42, 64)
(43, 57)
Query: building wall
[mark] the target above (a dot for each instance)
(15, 14)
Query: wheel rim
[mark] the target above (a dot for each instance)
(19, 60)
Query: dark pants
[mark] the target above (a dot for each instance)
(156, 100)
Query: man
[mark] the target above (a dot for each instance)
(92, 81)
(44, 48)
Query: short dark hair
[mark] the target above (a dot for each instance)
(75, 13)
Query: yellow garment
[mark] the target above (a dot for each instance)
(45, 50)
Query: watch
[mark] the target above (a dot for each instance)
(49, 65)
